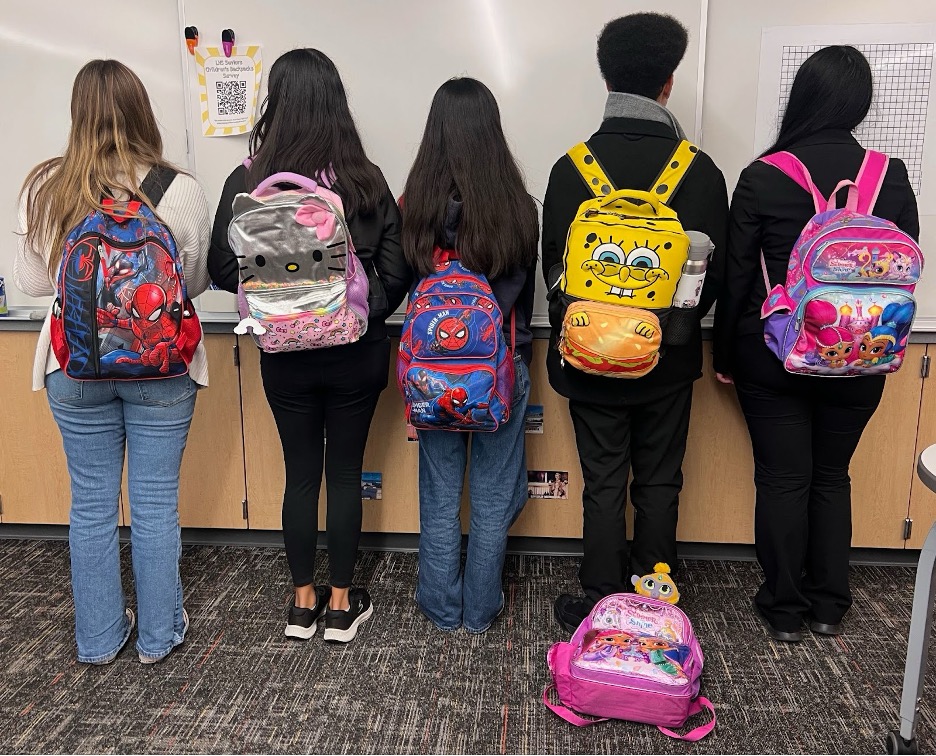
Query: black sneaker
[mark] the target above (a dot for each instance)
(571, 610)
(302, 623)
(341, 625)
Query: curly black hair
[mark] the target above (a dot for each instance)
(639, 52)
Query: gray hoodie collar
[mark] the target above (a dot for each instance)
(624, 105)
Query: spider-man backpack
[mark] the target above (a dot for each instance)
(121, 309)
(455, 369)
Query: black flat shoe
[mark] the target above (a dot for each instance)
(779, 635)
(569, 611)
(823, 628)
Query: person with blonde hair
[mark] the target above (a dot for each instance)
(145, 341)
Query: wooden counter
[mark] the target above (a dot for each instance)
(232, 474)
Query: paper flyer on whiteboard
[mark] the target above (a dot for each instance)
(902, 120)
(228, 89)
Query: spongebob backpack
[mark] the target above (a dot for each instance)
(623, 257)
(302, 286)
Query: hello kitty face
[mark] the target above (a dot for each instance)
(277, 244)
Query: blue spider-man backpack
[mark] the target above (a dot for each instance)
(455, 369)
(121, 309)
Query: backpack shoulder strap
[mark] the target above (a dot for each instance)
(594, 176)
(870, 179)
(792, 167)
(156, 183)
(674, 171)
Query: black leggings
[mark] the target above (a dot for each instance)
(804, 430)
(327, 393)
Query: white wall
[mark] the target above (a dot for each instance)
(538, 57)
(42, 46)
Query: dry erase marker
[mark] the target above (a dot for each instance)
(227, 42)
(191, 38)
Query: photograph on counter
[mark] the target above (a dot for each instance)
(371, 485)
(547, 484)
(533, 420)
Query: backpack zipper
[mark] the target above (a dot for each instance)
(95, 336)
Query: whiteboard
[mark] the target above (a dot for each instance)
(42, 46)
(537, 56)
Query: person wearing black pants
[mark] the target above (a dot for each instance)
(336, 390)
(636, 425)
(804, 429)
(323, 400)
(652, 437)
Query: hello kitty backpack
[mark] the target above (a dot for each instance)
(301, 286)
(847, 306)
(634, 658)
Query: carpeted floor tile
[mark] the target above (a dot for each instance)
(238, 685)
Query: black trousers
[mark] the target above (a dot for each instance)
(804, 431)
(650, 440)
(317, 395)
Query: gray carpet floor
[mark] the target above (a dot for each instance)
(238, 685)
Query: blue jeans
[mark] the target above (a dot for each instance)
(498, 483)
(98, 421)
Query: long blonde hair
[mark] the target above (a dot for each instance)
(113, 134)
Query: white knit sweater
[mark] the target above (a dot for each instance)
(184, 209)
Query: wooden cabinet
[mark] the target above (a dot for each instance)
(34, 483)
(884, 465)
(716, 506)
(211, 482)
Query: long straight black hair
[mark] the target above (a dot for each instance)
(306, 127)
(464, 153)
(832, 90)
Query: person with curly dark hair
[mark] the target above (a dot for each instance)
(638, 425)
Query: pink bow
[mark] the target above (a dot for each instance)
(321, 218)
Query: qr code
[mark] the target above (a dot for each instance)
(232, 98)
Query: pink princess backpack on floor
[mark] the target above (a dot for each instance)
(847, 305)
(633, 658)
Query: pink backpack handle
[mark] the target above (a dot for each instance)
(851, 203)
(870, 179)
(699, 704)
(285, 177)
(862, 192)
(792, 167)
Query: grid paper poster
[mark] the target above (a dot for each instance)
(900, 123)
(229, 89)
(896, 123)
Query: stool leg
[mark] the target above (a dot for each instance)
(918, 643)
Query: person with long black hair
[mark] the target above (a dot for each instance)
(465, 193)
(804, 430)
(306, 128)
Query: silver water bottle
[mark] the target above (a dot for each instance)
(689, 288)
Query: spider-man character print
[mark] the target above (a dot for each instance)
(154, 325)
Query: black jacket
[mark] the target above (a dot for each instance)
(514, 290)
(376, 239)
(633, 152)
(768, 212)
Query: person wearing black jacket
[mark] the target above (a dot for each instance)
(804, 429)
(638, 425)
(311, 132)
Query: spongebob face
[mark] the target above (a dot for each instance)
(622, 272)
(634, 262)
